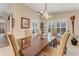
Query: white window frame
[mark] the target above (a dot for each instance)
(35, 21)
(55, 21)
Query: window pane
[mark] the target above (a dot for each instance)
(53, 24)
(63, 30)
(58, 30)
(33, 31)
(34, 27)
(58, 24)
(49, 30)
(33, 24)
(53, 29)
(49, 25)
(63, 24)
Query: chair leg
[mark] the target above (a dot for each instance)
(65, 50)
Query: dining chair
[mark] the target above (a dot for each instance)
(62, 47)
(27, 33)
(11, 46)
(50, 51)
(13, 43)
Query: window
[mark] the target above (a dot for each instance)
(34, 27)
(59, 25)
(49, 27)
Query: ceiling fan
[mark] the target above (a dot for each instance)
(45, 14)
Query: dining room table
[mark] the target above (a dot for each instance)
(36, 46)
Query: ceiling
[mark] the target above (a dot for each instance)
(54, 7)
(4, 7)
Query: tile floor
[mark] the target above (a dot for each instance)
(72, 50)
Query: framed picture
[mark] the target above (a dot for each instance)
(25, 22)
(13, 22)
(25, 43)
(10, 18)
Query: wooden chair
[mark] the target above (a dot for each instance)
(10, 46)
(62, 47)
(49, 51)
(14, 44)
(27, 33)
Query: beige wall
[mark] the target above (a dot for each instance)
(20, 10)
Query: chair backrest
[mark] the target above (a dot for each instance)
(27, 33)
(63, 43)
(11, 47)
(14, 44)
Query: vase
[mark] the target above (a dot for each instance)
(74, 41)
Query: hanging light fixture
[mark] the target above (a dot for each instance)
(45, 14)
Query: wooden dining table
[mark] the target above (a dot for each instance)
(36, 46)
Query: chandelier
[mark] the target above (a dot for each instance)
(45, 14)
